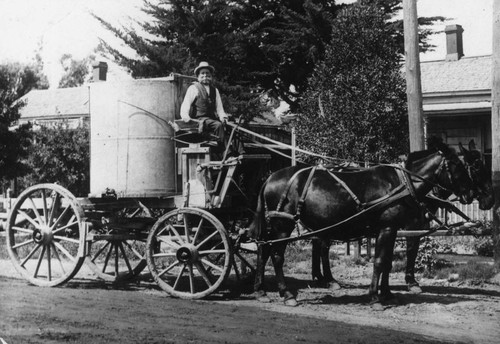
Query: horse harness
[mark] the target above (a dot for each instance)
(405, 189)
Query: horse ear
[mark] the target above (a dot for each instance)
(472, 145)
(462, 148)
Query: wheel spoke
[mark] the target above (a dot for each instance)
(40, 258)
(125, 258)
(166, 239)
(67, 225)
(35, 210)
(49, 267)
(116, 260)
(63, 238)
(173, 265)
(63, 250)
(45, 210)
(60, 217)
(23, 230)
(108, 255)
(212, 265)
(134, 251)
(179, 276)
(186, 228)
(100, 251)
(207, 252)
(23, 243)
(191, 278)
(58, 258)
(177, 235)
(30, 254)
(207, 239)
(198, 230)
(55, 201)
(164, 254)
(204, 273)
(29, 218)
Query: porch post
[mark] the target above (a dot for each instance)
(495, 129)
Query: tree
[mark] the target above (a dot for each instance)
(15, 81)
(60, 155)
(356, 96)
(256, 45)
(76, 72)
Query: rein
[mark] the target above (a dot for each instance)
(405, 189)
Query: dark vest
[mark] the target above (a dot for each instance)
(204, 104)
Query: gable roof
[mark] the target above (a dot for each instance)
(466, 74)
(66, 102)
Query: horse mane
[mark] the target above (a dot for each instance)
(434, 144)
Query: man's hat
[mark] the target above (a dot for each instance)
(202, 65)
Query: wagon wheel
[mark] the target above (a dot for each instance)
(188, 253)
(46, 235)
(117, 255)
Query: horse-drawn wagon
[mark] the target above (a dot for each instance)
(157, 199)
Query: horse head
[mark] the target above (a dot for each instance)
(480, 175)
(452, 174)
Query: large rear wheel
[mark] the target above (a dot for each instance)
(46, 235)
(188, 253)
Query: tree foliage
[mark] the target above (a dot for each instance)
(256, 45)
(75, 72)
(15, 81)
(60, 155)
(356, 97)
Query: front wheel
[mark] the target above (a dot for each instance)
(188, 253)
(46, 235)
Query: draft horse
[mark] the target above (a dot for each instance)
(374, 202)
(484, 194)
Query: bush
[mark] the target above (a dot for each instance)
(484, 246)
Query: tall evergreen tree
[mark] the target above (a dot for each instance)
(355, 105)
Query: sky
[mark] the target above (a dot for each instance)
(66, 26)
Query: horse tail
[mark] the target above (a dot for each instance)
(259, 219)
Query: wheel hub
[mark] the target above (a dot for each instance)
(43, 235)
(187, 253)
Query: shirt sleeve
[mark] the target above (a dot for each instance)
(218, 106)
(189, 98)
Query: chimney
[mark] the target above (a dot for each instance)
(454, 43)
(99, 71)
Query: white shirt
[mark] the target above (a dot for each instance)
(191, 94)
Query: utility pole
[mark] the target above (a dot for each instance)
(413, 82)
(495, 129)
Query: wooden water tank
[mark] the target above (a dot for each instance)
(132, 151)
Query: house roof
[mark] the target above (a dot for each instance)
(57, 102)
(466, 74)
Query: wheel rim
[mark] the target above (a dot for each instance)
(46, 235)
(188, 253)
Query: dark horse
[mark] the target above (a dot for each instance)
(484, 193)
(375, 202)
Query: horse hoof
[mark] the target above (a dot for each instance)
(376, 306)
(291, 302)
(414, 289)
(334, 286)
(263, 299)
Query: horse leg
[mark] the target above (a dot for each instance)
(386, 257)
(385, 240)
(327, 272)
(412, 245)
(278, 257)
(316, 259)
(263, 252)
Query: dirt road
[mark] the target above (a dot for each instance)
(88, 311)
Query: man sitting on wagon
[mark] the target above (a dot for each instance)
(202, 103)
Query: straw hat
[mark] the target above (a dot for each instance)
(202, 65)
